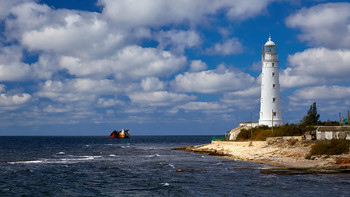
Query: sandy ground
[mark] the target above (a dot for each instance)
(281, 154)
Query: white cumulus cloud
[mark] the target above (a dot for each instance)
(316, 65)
(162, 12)
(73, 90)
(178, 40)
(206, 107)
(325, 25)
(322, 92)
(197, 65)
(227, 47)
(132, 62)
(12, 101)
(159, 98)
(152, 84)
(212, 81)
(329, 98)
(80, 34)
(11, 66)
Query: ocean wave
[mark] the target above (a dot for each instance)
(72, 159)
(26, 162)
(155, 155)
(171, 165)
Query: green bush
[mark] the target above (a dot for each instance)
(262, 132)
(329, 123)
(332, 147)
(246, 134)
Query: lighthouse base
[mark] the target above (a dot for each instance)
(269, 123)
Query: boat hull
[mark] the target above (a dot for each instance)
(120, 134)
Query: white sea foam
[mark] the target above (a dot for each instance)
(74, 159)
(171, 165)
(112, 155)
(26, 162)
(165, 184)
(88, 157)
(70, 159)
(155, 155)
(60, 153)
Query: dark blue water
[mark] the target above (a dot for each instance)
(142, 166)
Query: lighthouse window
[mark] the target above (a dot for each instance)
(273, 85)
(273, 64)
(273, 74)
(274, 113)
(273, 99)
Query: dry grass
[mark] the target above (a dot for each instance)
(332, 147)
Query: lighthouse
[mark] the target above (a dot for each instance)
(270, 101)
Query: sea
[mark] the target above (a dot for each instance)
(144, 166)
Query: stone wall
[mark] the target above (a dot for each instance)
(243, 144)
(272, 140)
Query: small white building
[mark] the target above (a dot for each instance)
(332, 132)
(270, 101)
(233, 133)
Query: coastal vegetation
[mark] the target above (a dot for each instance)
(332, 147)
(312, 117)
(262, 132)
(308, 123)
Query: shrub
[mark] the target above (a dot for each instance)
(262, 132)
(329, 123)
(332, 147)
(244, 134)
(256, 132)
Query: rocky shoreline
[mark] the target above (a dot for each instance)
(287, 157)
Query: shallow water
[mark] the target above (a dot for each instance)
(142, 166)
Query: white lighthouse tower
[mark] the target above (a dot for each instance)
(270, 102)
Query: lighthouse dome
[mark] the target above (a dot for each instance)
(270, 42)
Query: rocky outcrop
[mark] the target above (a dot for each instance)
(282, 154)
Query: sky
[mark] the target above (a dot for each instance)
(164, 67)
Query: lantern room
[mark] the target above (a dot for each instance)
(270, 51)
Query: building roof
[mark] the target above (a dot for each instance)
(333, 128)
(270, 42)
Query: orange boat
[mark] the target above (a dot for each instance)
(120, 134)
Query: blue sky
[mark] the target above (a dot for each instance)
(163, 67)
